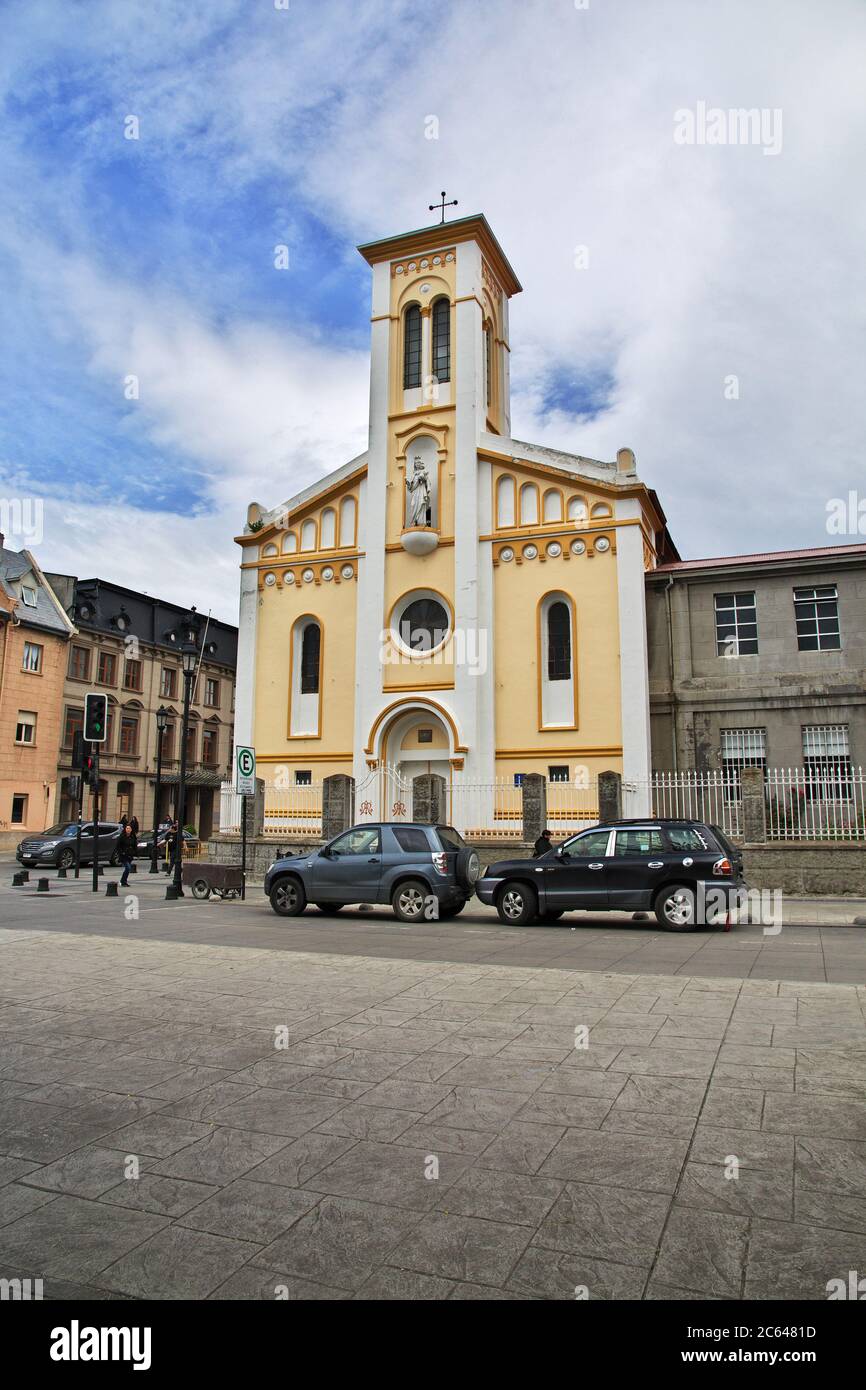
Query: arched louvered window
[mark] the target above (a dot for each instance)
(412, 347)
(442, 340)
(311, 644)
(558, 642)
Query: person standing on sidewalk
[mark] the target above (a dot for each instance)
(126, 853)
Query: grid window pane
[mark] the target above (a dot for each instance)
(816, 611)
(736, 625)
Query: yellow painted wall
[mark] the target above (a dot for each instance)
(334, 605)
(592, 584)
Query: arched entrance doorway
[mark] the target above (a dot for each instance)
(406, 742)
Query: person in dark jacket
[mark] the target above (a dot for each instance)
(542, 844)
(134, 823)
(126, 853)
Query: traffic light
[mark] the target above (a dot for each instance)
(95, 717)
(91, 776)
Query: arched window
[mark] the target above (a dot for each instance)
(529, 505)
(576, 509)
(553, 505)
(442, 340)
(308, 535)
(488, 364)
(600, 509)
(328, 529)
(557, 663)
(558, 642)
(347, 521)
(412, 347)
(305, 691)
(269, 550)
(311, 647)
(505, 513)
(290, 542)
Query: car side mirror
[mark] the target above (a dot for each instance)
(562, 853)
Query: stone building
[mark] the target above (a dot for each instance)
(759, 660)
(35, 634)
(123, 646)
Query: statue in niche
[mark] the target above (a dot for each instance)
(418, 488)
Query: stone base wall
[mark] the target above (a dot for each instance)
(808, 869)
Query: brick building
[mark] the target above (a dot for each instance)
(35, 635)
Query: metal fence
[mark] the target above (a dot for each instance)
(800, 803)
(703, 796)
(815, 804)
(485, 810)
(289, 811)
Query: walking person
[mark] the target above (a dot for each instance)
(134, 823)
(126, 853)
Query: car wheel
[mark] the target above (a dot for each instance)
(675, 907)
(467, 868)
(288, 898)
(201, 888)
(516, 904)
(551, 914)
(409, 900)
(329, 908)
(66, 859)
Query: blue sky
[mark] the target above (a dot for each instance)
(309, 127)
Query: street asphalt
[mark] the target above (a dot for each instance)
(202, 1100)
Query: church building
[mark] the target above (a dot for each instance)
(453, 600)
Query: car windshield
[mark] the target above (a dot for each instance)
(54, 832)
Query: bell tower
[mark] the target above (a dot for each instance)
(439, 382)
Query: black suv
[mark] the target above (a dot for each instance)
(57, 845)
(663, 866)
(421, 870)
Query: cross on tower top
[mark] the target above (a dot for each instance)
(441, 206)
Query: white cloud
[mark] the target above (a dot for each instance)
(558, 124)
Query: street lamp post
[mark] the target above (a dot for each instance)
(189, 654)
(161, 726)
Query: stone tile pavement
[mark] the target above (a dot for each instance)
(426, 1128)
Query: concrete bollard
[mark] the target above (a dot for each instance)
(61, 872)
(42, 886)
(111, 889)
(17, 880)
(25, 875)
(171, 893)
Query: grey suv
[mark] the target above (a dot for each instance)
(421, 870)
(57, 845)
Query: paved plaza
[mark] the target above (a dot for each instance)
(199, 1100)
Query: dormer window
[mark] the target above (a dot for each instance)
(28, 595)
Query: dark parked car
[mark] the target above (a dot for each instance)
(57, 845)
(646, 865)
(145, 843)
(404, 865)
